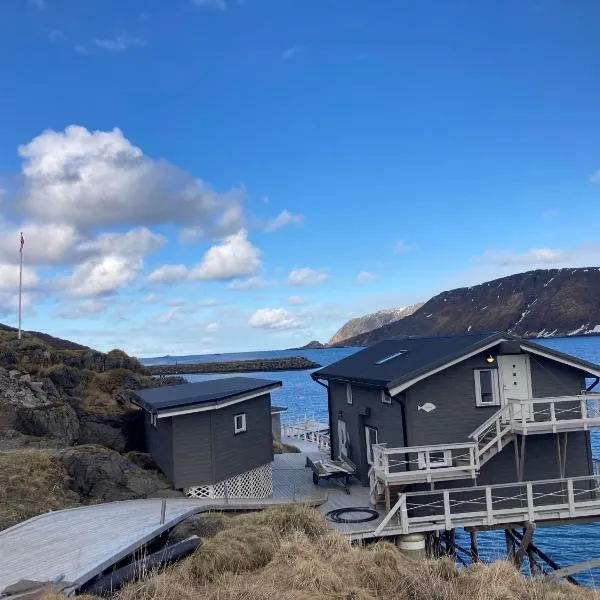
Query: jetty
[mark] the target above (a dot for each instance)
(294, 363)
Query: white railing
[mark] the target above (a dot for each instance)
(491, 433)
(554, 413)
(493, 504)
(300, 431)
(424, 463)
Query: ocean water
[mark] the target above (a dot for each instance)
(303, 397)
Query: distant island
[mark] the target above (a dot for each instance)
(294, 363)
(314, 345)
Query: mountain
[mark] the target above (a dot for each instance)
(52, 342)
(314, 345)
(372, 321)
(540, 303)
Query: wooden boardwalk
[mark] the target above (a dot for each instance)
(80, 543)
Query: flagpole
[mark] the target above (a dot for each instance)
(20, 282)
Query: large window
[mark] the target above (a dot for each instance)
(239, 423)
(486, 387)
(370, 439)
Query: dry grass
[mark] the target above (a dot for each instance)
(289, 553)
(32, 482)
(283, 448)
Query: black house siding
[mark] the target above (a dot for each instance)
(206, 450)
(235, 453)
(159, 443)
(386, 418)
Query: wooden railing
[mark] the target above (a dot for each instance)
(424, 463)
(322, 440)
(551, 499)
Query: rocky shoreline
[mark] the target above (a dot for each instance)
(295, 363)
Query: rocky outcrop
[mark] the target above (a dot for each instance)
(370, 322)
(540, 303)
(238, 366)
(96, 473)
(314, 345)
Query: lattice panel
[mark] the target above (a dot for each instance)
(257, 483)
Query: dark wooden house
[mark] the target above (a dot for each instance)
(212, 439)
(460, 412)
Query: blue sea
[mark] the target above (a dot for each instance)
(303, 397)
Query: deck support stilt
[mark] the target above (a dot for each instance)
(510, 545)
(474, 548)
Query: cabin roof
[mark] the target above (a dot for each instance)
(397, 364)
(209, 394)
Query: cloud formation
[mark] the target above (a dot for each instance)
(99, 178)
(283, 219)
(121, 43)
(252, 283)
(532, 257)
(220, 4)
(307, 276)
(365, 276)
(273, 318)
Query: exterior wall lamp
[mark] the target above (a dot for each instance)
(489, 359)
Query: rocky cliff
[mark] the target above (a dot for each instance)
(372, 321)
(68, 433)
(540, 303)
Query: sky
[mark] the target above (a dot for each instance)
(200, 176)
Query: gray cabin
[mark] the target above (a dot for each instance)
(460, 411)
(212, 439)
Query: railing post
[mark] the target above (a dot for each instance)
(552, 413)
(447, 517)
(530, 507)
(386, 464)
(427, 461)
(489, 506)
(523, 419)
(403, 514)
(499, 441)
(583, 403)
(571, 497)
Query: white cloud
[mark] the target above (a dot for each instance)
(208, 303)
(296, 301)
(307, 276)
(86, 308)
(290, 53)
(121, 43)
(365, 276)
(233, 257)
(284, 218)
(212, 328)
(9, 278)
(176, 302)
(532, 257)
(101, 276)
(221, 4)
(134, 243)
(150, 298)
(189, 235)
(401, 247)
(168, 316)
(273, 318)
(169, 273)
(99, 178)
(253, 283)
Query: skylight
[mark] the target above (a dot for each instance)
(389, 357)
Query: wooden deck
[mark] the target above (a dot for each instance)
(80, 543)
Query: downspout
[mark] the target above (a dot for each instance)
(402, 413)
(331, 452)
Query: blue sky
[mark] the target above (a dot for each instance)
(229, 175)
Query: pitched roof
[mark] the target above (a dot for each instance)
(421, 354)
(398, 363)
(213, 392)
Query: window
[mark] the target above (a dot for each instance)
(487, 391)
(437, 459)
(370, 439)
(385, 398)
(348, 393)
(239, 423)
(389, 357)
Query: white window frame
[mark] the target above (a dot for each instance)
(349, 393)
(385, 399)
(153, 420)
(369, 431)
(435, 464)
(495, 388)
(242, 427)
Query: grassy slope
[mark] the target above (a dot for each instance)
(289, 553)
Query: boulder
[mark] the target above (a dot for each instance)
(58, 421)
(142, 460)
(93, 431)
(204, 526)
(65, 377)
(97, 473)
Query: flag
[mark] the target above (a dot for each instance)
(22, 241)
